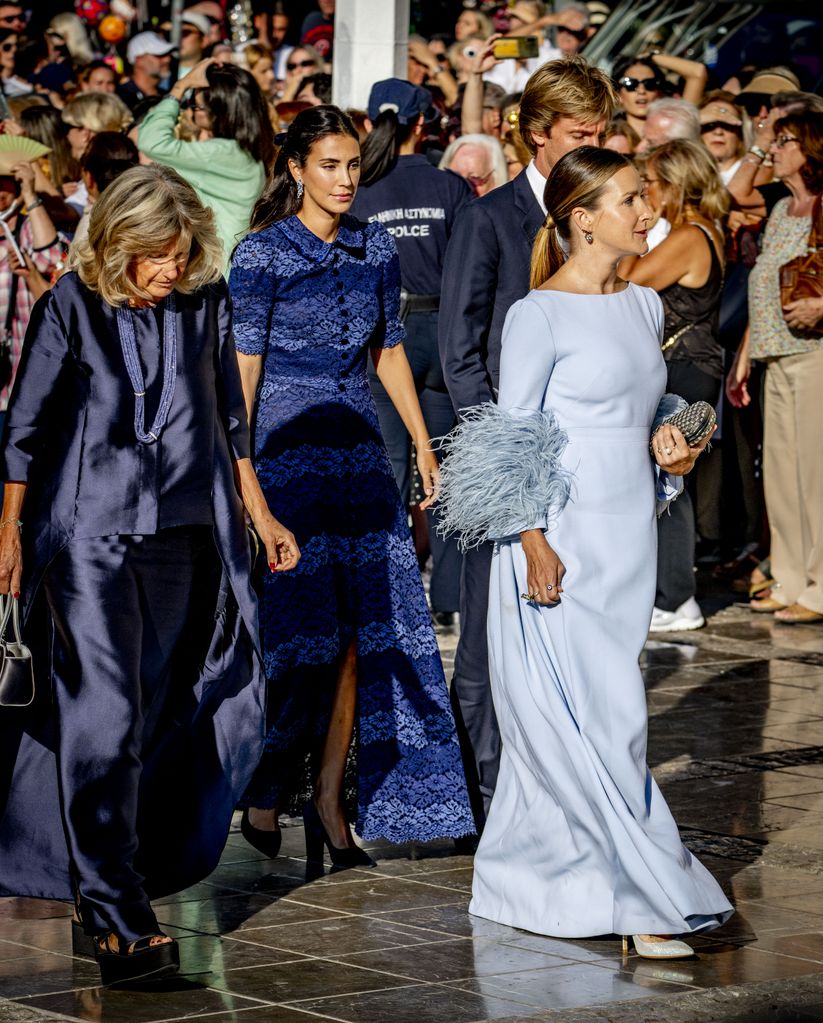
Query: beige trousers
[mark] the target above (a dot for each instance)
(793, 476)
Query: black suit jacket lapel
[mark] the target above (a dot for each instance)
(525, 201)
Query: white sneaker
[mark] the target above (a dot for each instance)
(687, 616)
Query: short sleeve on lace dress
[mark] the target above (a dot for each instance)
(252, 286)
(382, 250)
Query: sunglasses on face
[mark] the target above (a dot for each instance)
(189, 32)
(710, 126)
(631, 84)
(300, 63)
(784, 140)
(579, 33)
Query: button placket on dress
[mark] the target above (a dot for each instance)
(341, 300)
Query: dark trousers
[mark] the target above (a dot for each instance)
(470, 690)
(676, 527)
(120, 605)
(438, 414)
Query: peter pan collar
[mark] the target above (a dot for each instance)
(350, 238)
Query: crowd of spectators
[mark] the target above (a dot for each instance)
(96, 92)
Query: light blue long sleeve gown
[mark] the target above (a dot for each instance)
(579, 840)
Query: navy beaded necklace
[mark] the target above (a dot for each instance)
(128, 343)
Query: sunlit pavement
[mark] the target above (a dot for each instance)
(736, 741)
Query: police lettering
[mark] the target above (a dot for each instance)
(409, 231)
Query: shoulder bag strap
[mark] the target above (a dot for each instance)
(816, 234)
(15, 284)
(5, 613)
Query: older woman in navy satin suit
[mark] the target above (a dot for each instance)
(127, 455)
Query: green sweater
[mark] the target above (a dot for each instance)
(224, 176)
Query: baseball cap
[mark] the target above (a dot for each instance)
(147, 42)
(406, 100)
(199, 21)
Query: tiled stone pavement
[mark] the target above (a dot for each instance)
(736, 741)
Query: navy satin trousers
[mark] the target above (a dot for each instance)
(120, 606)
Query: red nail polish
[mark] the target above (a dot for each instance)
(16, 595)
(272, 565)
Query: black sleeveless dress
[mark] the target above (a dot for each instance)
(691, 325)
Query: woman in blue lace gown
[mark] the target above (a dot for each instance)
(348, 642)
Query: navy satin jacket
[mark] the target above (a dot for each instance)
(70, 436)
(70, 424)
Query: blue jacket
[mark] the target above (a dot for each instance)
(70, 436)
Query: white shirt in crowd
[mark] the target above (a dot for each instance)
(512, 75)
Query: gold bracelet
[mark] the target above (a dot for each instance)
(11, 522)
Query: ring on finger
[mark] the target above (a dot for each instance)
(549, 587)
(668, 450)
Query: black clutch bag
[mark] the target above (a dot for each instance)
(16, 672)
(695, 422)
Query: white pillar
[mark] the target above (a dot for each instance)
(370, 44)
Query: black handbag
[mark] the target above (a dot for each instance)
(16, 672)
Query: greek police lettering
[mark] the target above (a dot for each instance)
(410, 213)
(409, 230)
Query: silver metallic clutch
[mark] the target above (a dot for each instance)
(695, 422)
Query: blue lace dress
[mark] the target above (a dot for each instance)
(313, 310)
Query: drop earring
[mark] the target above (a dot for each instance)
(589, 237)
(299, 189)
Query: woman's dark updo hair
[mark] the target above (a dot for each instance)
(807, 127)
(239, 111)
(381, 146)
(279, 199)
(577, 179)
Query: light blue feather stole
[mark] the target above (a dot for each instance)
(501, 474)
(669, 487)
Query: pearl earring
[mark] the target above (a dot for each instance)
(589, 237)
(299, 190)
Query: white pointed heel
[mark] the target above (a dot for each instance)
(669, 949)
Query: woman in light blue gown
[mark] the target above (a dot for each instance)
(579, 841)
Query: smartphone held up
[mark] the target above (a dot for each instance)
(516, 48)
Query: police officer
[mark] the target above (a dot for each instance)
(417, 204)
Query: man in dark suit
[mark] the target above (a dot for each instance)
(566, 104)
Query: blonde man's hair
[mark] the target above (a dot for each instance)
(97, 111)
(689, 176)
(569, 87)
(142, 213)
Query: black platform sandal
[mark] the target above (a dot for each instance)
(123, 962)
(82, 944)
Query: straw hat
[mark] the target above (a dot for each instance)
(773, 80)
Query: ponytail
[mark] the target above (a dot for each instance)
(381, 146)
(577, 179)
(547, 254)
